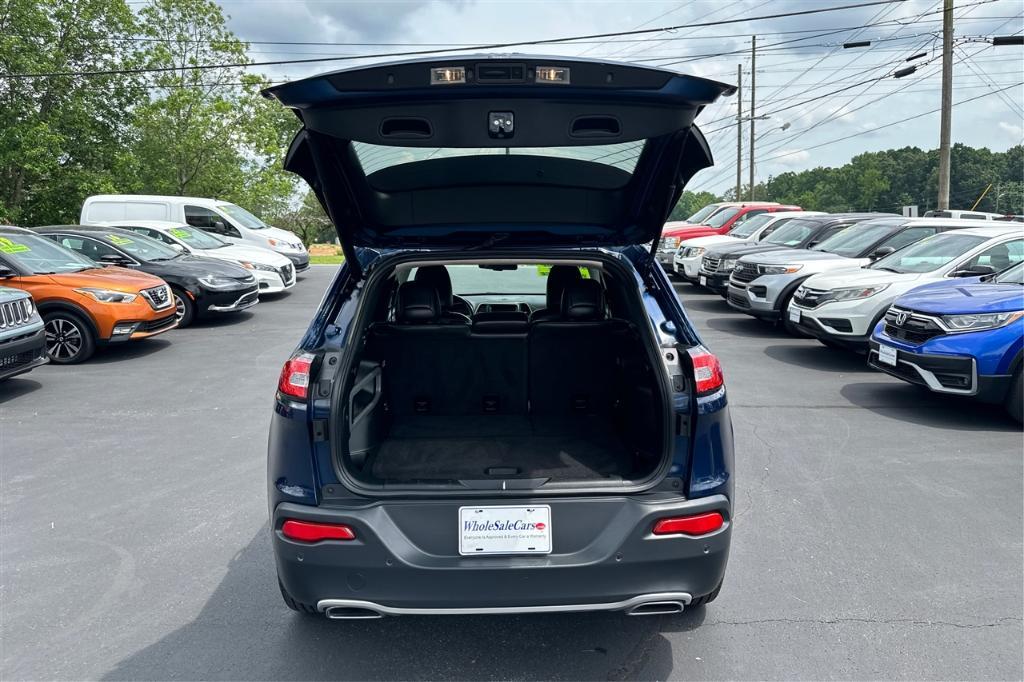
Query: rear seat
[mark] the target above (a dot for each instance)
(498, 351)
(573, 359)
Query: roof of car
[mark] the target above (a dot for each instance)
(199, 201)
(963, 222)
(155, 224)
(103, 229)
(989, 231)
(13, 228)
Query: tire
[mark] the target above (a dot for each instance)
(184, 307)
(294, 605)
(69, 338)
(706, 599)
(1015, 400)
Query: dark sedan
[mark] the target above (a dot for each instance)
(200, 285)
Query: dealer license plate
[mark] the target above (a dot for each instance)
(505, 530)
(887, 355)
(794, 315)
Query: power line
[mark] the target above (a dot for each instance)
(492, 46)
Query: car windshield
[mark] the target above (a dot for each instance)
(40, 256)
(1014, 275)
(749, 227)
(853, 241)
(242, 217)
(722, 217)
(793, 233)
(928, 254)
(475, 280)
(143, 248)
(703, 214)
(197, 239)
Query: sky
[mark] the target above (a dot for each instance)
(808, 124)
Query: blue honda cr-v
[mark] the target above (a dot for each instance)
(961, 337)
(500, 405)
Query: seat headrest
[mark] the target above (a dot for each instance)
(559, 277)
(417, 303)
(583, 300)
(437, 276)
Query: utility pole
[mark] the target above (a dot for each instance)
(753, 90)
(739, 130)
(947, 103)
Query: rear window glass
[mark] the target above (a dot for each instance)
(470, 280)
(374, 157)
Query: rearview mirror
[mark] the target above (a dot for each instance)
(974, 271)
(6, 272)
(882, 252)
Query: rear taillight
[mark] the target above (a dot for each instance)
(309, 531)
(294, 380)
(707, 371)
(701, 524)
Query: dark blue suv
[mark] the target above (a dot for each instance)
(500, 406)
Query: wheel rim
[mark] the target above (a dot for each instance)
(179, 307)
(63, 339)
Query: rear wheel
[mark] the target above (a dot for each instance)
(69, 338)
(184, 307)
(1015, 400)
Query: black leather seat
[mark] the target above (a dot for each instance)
(558, 279)
(437, 276)
(573, 361)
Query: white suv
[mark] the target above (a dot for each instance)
(843, 308)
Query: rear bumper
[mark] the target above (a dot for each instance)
(23, 353)
(405, 559)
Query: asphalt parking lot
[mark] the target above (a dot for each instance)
(878, 533)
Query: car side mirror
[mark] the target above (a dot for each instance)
(974, 271)
(6, 272)
(114, 259)
(177, 247)
(882, 252)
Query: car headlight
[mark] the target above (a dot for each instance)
(778, 269)
(670, 243)
(694, 251)
(972, 323)
(854, 293)
(30, 308)
(258, 266)
(216, 282)
(107, 295)
(728, 263)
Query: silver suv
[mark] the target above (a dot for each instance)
(22, 341)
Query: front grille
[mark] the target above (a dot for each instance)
(20, 359)
(739, 300)
(810, 298)
(15, 313)
(710, 264)
(158, 297)
(157, 325)
(913, 328)
(248, 298)
(288, 273)
(745, 272)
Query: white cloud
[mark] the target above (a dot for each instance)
(1012, 128)
(792, 157)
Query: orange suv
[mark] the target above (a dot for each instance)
(82, 303)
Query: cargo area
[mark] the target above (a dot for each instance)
(556, 388)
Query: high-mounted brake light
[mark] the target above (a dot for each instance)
(310, 531)
(447, 75)
(552, 74)
(294, 379)
(707, 370)
(701, 524)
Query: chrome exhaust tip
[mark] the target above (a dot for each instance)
(656, 608)
(351, 613)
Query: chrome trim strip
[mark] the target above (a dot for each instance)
(683, 598)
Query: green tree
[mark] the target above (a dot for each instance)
(691, 202)
(62, 137)
(308, 220)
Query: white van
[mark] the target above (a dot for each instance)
(963, 215)
(221, 218)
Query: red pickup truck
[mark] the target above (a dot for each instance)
(724, 217)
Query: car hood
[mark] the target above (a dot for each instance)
(9, 294)
(689, 232)
(864, 277)
(802, 256)
(112, 277)
(197, 266)
(710, 240)
(279, 234)
(958, 296)
(596, 159)
(740, 249)
(252, 254)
